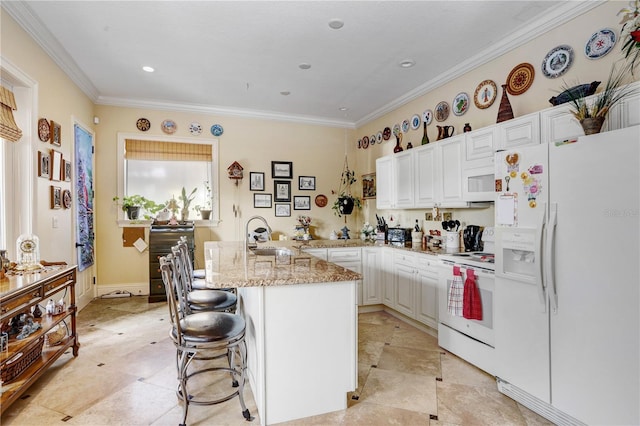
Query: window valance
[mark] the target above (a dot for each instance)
(8, 128)
(166, 151)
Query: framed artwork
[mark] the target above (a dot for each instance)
(256, 181)
(66, 171)
(56, 165)
(369, 186)
(307, 183)
(283, 210)
(282, 190)
(43, 164)
(282, 169)
(262, 201)
(56, 197)
(56, 136)
(301, 202)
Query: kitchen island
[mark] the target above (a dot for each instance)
(301, 314)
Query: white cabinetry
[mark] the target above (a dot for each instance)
(405, 278)
(317, 252)
(384, 182)
(403, 182)
(558, 124)
(427, 289)
(388, 280)
(517, 132)
(427, 175)
(627, 112)
(451, 167)
(350, 258)
(372, 275)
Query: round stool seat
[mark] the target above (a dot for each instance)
(211, 327)
(198, 273)
(199, 284)
(202, 300)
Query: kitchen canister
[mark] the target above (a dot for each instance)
(452, 241)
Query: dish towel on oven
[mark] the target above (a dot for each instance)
(471, 303)
(455, 293)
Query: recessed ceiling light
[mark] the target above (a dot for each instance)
(148, 69)
(285, 93)
(336, 24)
(304, 66)
(407, 63)
(343, 108)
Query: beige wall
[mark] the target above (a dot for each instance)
(314, 150)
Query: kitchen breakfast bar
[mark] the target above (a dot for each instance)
(301, 318)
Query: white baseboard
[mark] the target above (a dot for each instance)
(136, 289)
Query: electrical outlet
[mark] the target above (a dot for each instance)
(428, 216)
(446, 216)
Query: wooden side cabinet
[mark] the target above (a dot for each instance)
(18, 294)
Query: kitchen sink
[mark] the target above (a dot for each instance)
(271, 251)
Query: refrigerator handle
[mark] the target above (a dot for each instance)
(539, 253)
(550, 255)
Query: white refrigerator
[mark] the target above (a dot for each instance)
(567, 290)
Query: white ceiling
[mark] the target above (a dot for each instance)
(236, 57)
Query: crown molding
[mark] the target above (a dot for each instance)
(546, 22)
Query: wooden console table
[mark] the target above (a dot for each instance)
(18, 294)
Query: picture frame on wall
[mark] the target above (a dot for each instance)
(256, 181)
(44, 160)
(282, 169)
(283, 210)
(56, 197)
(56, 165)
(369, 186)
(66, 171)
(56, 133)
(307, 183)
(262, 201)
(302, 202)
(282, 190)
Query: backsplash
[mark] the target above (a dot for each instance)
(407, 218)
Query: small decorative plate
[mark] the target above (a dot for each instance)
(405, 126)
(460, 103)
(195, 128)
(386, 133)
(485, 94)
(379, 137)
(365, 142)
(600, 43)
(217, 130)
(442, 111)
(427, 116)
(44, 131)
(396, 130)
(415, 122)
(558, 61)
(372, 139)
(520, 79)
(66, 199)
(143, 124)
(359, 143)
(321, 200)
(169, 127)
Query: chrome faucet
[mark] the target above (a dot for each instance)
(248, 244)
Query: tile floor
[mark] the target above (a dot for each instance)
(125, 375)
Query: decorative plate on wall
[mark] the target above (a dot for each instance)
(379, 137)
(405, 126)
(442, 111)
(558, 61)
(143, 124)
(44, 131)
(485, 94)
(600, 43)
(415, 122)
(386, 133)
(66, 199)
(460, 103)
(520, 79)
(372, 139)
(195, 128)
(427, 116)
(396, 130)
(169, 127)
(365, 142)
(217, 130)
(321, 200)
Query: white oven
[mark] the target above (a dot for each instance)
(470, 339)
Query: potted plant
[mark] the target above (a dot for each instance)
(592, 111)
(131, 204)
(186, 202)
(205, 211)
(346, 201)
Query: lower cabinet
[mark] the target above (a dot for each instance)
(427, 291)
(416, 284)
(372, 275)
(350, 258)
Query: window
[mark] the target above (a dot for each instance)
(159, 167)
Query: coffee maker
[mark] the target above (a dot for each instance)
(472, 238)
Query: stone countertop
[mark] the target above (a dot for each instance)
(312, 244)
(232, 266)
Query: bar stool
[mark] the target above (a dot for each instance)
(203, 336)
(198, 274)
(200, 300)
